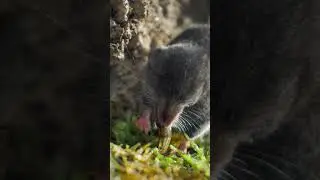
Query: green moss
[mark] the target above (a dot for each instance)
(135, 155)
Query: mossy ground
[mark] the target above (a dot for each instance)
(134, 155)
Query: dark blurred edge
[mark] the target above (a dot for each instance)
(96, 46)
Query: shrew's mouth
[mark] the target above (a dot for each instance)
(166, 117)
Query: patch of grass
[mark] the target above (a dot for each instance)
(135, 155)
(125, 132)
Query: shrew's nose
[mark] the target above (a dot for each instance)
(162, 119)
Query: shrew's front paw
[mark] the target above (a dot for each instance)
(181, 142)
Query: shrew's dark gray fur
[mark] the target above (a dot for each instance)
(178, 78)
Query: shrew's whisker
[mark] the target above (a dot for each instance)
(245, 170)
(226, 173)
(274, 157)
(264, 162)
(239, 160)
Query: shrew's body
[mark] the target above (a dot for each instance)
(177, 83)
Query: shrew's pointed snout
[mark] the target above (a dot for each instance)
(166, 115)
(163, 118)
